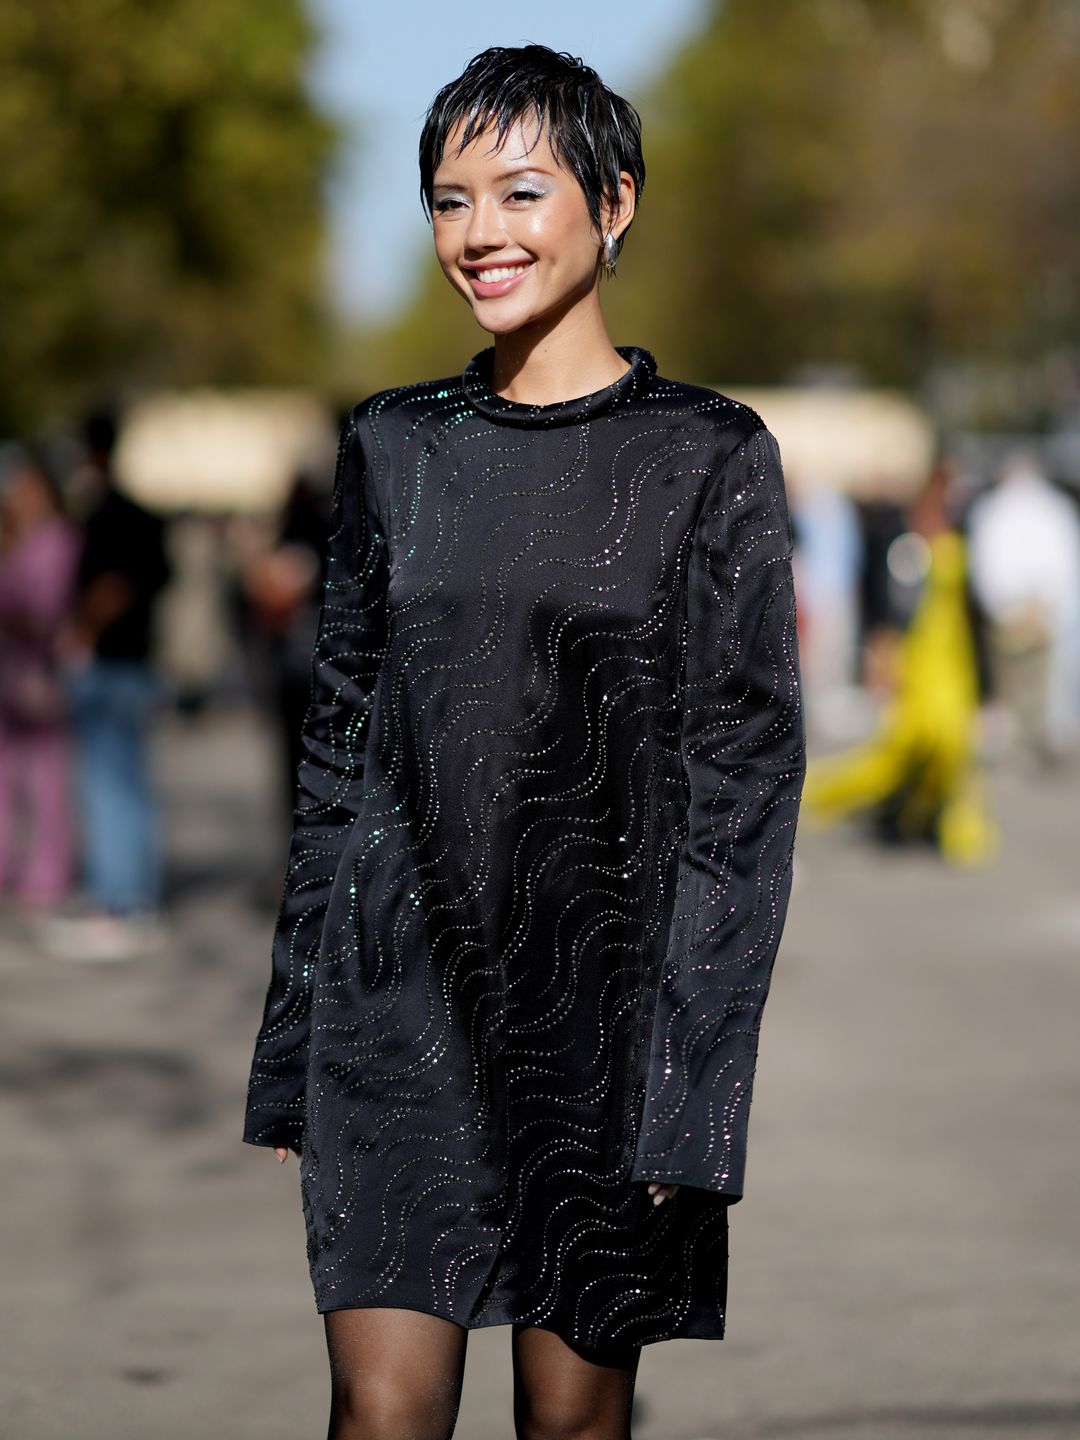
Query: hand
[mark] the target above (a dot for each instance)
(282, 1152)
(659, 1191)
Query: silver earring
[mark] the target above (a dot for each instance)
(611, 252)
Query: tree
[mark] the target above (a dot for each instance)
(884, 183)
(161, 215)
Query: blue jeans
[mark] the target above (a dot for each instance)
(112, 704)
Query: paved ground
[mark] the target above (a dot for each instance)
(906, 1261)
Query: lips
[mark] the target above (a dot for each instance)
(508, 276)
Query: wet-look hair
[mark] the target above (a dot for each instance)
(592, 131)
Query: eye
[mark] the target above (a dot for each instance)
(441, 206)
(527, 195)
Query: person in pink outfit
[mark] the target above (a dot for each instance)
(39, 551)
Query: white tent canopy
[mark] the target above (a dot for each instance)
(865, 442)
(215, 450)
(218, 450)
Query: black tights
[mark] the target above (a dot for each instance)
(396, 1375)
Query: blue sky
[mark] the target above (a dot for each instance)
(377, 70)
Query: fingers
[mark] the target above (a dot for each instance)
(659, 1191)
(282, 1152)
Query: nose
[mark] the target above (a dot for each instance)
(485, 229)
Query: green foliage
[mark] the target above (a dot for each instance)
(887, 184)
(160, 198)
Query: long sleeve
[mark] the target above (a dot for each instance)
(743, 749)
(349, 646)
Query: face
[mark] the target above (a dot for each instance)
(512, 228)
(25, 498)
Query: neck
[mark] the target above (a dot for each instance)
(560, 358)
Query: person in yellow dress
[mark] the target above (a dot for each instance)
(923, 755)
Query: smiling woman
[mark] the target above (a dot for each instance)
(542, 846)
(531, 192)
(493, 231)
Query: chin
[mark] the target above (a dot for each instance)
(503, 326)
(490, 319)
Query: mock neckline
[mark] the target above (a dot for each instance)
(476, 382)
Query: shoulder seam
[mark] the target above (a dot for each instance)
(367, 475)
(722, 465)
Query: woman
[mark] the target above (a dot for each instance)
(920, 770)
(542, 847)
(39, 552)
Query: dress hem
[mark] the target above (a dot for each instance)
(697, 1326)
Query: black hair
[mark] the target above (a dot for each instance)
(591, 130)
(99, 430)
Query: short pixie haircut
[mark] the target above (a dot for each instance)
(592, 131)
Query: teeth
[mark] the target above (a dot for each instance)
(489, 277)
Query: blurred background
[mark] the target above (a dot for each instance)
(863, 218)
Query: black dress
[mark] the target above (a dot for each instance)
(541, 856)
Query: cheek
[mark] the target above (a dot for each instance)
(561, 238)
(446, 252)
(445, 249)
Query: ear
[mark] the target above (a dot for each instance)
(618, 216)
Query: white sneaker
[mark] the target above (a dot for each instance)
(101, 937)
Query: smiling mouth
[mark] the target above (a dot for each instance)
(495, 280)
(502, 272)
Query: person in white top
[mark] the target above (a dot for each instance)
(1024, 539)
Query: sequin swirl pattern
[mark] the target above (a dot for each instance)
(541, 855)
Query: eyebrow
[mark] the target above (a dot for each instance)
(503, 175)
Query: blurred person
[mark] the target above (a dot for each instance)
(193, 623)
(39, 553)
(882, 603)
(828, 560)
(919, 773)
(888, 594)
(542, 846)
(1024, 535)
(281, 587)
(113, 691)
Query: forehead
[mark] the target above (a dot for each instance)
(525, 145)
